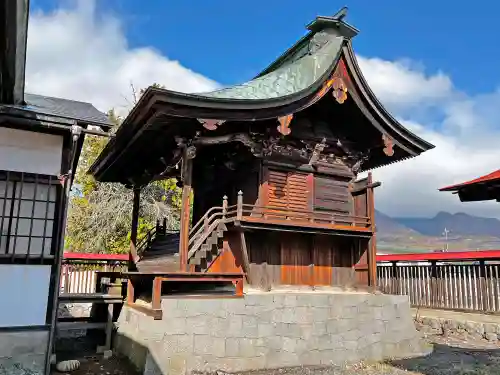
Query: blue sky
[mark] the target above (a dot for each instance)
(432, 64)
(231, 41)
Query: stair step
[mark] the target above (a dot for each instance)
(194, 260)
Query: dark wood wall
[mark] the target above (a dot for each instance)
(208, 195)
(284, 258)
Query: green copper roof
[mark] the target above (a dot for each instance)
(299, 71)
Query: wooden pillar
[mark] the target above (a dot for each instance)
(187, 174)
(135, 223)
(372, 248)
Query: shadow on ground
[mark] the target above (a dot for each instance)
(454, 360)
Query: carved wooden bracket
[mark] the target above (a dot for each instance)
(339, 91)
(389, 145)
(284, 127)
(191, 152)
(211, 124)
(318, 149)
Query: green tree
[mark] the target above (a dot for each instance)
(99, 216)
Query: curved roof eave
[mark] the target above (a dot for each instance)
(387, 119)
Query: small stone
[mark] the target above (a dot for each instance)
(107, 354)
(491, 336)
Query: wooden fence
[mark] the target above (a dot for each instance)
(78, 273)
(463, 281)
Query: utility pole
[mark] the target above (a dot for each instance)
(445, 234)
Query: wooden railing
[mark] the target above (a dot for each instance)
(79, 270)
(463, 281)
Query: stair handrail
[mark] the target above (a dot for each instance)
(145, 241)
(203, 220)
(206, 227)
(210, 221)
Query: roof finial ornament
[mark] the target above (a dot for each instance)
(335, 22)
(341, 14)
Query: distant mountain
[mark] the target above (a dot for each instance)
(460, 224)
(386, 225)
(409, 234)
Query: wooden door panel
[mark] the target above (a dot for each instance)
(296, 260)
(323, 255)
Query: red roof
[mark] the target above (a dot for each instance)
(494, 176)
(90, 256)
(452, 255)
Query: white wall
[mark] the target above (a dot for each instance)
(24, 290)
(25, 151)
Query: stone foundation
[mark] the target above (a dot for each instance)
(23, 352)
(458, 327)
(268, 330)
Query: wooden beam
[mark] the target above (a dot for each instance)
(187, 174)
(133, 256)
(372, 248)
(246, 259)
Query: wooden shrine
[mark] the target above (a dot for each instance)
(273, 167)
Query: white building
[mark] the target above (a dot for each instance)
(40, 142)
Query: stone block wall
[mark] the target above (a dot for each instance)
(268, 330)
(23, 352)
(459, 327)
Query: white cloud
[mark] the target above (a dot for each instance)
(75, 53)
(407, 86)
(466, 140)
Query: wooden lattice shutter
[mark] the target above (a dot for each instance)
(288, 190)
(332, 195)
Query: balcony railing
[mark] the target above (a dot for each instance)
(287, 216)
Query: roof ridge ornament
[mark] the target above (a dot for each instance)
(334, 22)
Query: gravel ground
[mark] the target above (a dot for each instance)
(451, 356)
(96, 365)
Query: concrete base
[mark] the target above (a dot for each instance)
(23, 352)
(268, 330)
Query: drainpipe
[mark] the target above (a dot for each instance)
(66, 178)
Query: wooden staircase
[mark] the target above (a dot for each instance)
(205, 238)
(207, 247)
(159, 249)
